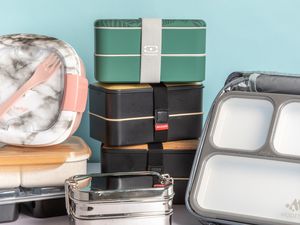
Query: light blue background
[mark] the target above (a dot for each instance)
(241, 35)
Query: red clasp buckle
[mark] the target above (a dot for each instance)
(161, 120)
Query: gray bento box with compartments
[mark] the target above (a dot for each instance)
(247, 167)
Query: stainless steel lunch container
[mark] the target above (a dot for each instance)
(114, 199)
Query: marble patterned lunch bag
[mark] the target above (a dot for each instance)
(50, 111)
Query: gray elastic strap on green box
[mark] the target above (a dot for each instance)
(151, 50)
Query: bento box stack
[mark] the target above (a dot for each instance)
(146, 106)
(43, 93)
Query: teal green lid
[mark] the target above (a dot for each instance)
(138, 22)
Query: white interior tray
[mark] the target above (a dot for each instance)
(242, 123)
(286, 137)
(258, 188)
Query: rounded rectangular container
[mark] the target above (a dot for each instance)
(174, 158)
(286, 137)
(44, 166)
(252, 187)
(142, 113)
(247, 167)
(119, 49)
(39, 106)
(238, 114)
(114, 198)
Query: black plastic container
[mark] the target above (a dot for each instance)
(46, 208)
(9, 213)
(142, 113)
(175, 158)
(37, 202)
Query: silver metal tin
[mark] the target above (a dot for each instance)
(112, 199)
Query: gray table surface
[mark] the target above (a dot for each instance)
(180, 217)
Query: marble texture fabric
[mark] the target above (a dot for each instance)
(36, 118)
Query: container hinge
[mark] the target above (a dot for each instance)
(69, 184)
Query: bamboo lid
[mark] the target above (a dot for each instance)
(73, 149)
(172, 145)
(140, 86)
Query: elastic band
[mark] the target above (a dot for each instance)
(252, 81)
(155, 160)
(160, 112)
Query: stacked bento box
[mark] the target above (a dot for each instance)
(146, 108)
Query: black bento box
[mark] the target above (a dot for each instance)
(174, 158)
(143, 113)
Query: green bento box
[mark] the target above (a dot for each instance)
(119, 50)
